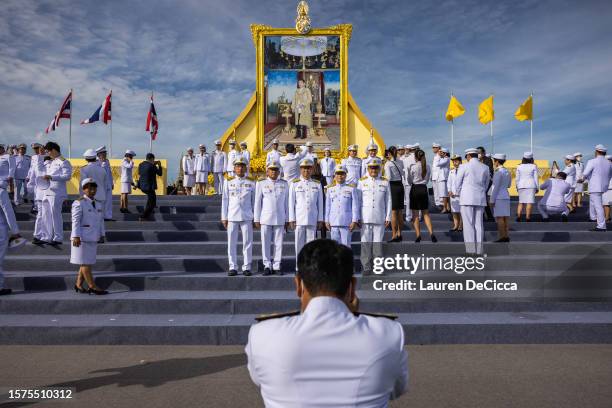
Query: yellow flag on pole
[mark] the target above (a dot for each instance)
(455, 109)
(525, 111)
(486, 113)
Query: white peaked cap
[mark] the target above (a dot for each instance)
(130, 152)
(601, 148)
(570, 157)
(217, 142)
(275, 141)
(89, 154)
(327, 149)
(101, 149)
(577, 154)
(471, 150)
(444, 149)
(199, 146)
(528, 155)
(435, 144)
(409, 146)
(88, 180)
(416, 145)
(308, 144)
(499, 156)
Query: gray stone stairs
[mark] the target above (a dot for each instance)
(169, 285)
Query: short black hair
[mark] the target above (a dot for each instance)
(562, 175)
(52, 146)
(289, 148)
(91, 160)
(325, 266)
(481, 148)
(500, 161)
(527, 161)
(150, 156)
(472, 155)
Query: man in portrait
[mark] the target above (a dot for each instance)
(301, 110)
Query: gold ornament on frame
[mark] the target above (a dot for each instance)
(302, 21)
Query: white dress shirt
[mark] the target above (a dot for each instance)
(189, 165)
(556, 189)
(271, 202)
(238, 199)
(415, 174)
(598, 171)
(219, 159)
(60, 171)
(341, 204)
(328, 166)
(501, 183)
(472, 183)
(375, 200)
(305, 202)
(127, 168)
(527, 176)
(353, 169)
(290, 164)
(273, 156)
(94, 171)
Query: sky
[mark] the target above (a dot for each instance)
(405, 58)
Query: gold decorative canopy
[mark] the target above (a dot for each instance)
(302, 21)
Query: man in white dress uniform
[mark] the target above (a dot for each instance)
(290, 163)
(435, 171)
(371, 152)
(31, 179)
(472, 183)
(272, 216)
(202, 168)
(219, 159)
(327, 354)
(58, 172)
(273, 155)
(443, 170)
(232, 155)
(328, 166)
(92, 170)
(237, 216)
(342, 209)
(353, 165)
(246, 155)
(553, 201)
(127, 179)
(189, 171)
(306, 213)
(110, 182)
(22, 166)
(598, 172)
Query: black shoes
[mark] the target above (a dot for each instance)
(79, 290)
(93, 291)
(598, 230)
(246, 273)
(503, 240)
(55, 243)
(518, 219)
(396, 239)
(433, 238)
(37, 241)
(563, 217)
(5, 291)
(417, 240)
(109, 219)
(267, 272)
(232, 272)
(278, 272)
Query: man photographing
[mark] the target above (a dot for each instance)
(329, 355)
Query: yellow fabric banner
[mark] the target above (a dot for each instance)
(525, 111)
(455, 109)
(486, 113)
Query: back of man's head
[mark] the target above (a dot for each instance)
(325, 267)
(150, 156)
(290, 148)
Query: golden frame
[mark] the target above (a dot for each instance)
(343, 31)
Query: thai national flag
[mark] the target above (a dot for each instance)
(66, 109)
(51, 127)
(152, 124)
(103, 112)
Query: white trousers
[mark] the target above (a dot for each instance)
(596, 210)
(52, 218)
(218, 177)
(473, 228)
(40, 230)
(408, 212)
(546, 210)
(434, 185)
(371, 244)
(21, 191)
(342, 235)
(3, 247)
(6, 211)
(246, 228)
(108, 204)
(303, 235)
(272, 235)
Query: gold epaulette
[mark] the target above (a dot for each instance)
(331, 185)
(228, 177)
(261, 179)
(363, 178)
(385, 315)
(62, 158)
(269, 316)
(295, 180)
(352, 185)
(384, 178)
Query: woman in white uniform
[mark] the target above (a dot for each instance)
(500, 198)
(607, 196)
(87, 232)
(527, 186)
(127, 167)
(454, 197)
(579, 183)
(189, 171)
(570, 172)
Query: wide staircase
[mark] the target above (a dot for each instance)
(169, 285)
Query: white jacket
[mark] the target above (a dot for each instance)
(527, 176)
(598, 171)
(472, 182)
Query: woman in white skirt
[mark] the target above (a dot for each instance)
(87, 232)
(579, 190)
(455, 207)
(189, 171)
(570, 172)
(500, 198)
(127, 178)
(606, 198)
(527, 186)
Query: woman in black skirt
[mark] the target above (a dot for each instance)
(394, 172)
(419, 175)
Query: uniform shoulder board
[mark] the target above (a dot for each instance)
(331, 185)
(250, 178)
(261, 179)
(228, 177)
(79, 199)
(352, 185)
(62, 158)
(385, 315)
(269, 316)
(363, 178)
(295, 180)
(384, 178)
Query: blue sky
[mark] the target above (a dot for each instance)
(405, 59)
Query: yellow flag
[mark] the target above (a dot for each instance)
(525, 111)
(455, 109)
(486, 113)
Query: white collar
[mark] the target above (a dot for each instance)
(325, 304)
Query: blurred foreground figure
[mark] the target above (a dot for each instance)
(329, 355)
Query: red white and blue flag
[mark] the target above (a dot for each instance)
(65, 112)
(103, 112)
(152, 124)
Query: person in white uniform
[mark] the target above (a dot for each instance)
(342, 209)
(306, 212)
(451, 185)
(37, 174)
(244, 152)
(188, 165)
(127, 179)
(310, 153)
(202, 168)
(579, 190)
(7, 168)
(553, 201)
(93, 171)
(8, 214)
(4, 238)
(232, 155)
(219, 159)
(273, 155)
(327, 354)
(353, 165)
(570, 171)
(290, 163)
(87, 232)
(598, 172)
(271, 215)
(58, 173)
(443, 170)
(500, 197)
(374, 195)
(31, 179)
(371, 154)
(472, 184)
(607, 196)
(328, 166)
(22, 167)
(237, 204)
(435, 170)
(110, 182)
(527, 183)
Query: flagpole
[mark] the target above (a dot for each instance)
(70, 126)
(531, 125)
(452, 137)
(492, 141)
